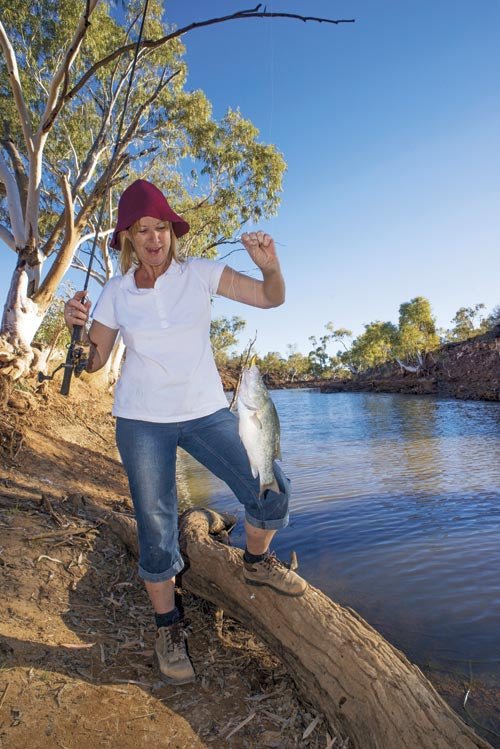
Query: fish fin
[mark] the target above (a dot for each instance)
(256, 421)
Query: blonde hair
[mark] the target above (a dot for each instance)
(128, 257)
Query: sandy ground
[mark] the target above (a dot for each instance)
(76, 629)
(77, 667)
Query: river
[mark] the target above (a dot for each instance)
(396, 513)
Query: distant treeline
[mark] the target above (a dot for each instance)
(415, 335)
(407, 342)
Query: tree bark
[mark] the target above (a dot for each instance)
(366, 688)
(21, 319)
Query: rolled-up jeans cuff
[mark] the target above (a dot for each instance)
(267, 525)
(160, 577)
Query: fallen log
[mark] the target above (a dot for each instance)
(367, 689)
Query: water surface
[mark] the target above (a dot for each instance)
(396, 513)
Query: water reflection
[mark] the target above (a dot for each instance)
(395, 512)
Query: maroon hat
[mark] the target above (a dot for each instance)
(141, 199)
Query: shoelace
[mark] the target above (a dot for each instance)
(176, 635)
(273, 562)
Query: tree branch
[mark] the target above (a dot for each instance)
(155, 43)
(97, 259)
(19, 170)
(89, 237)
(64, 257)
(56, 97)
(69, 223)
(13, 202)
(79, 265)
(15, 82)
(7, 237)
(134, 123)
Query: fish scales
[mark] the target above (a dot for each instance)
(259, 427)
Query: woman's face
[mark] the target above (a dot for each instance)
(151, 240)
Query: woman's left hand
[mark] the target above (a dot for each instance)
(261, 249)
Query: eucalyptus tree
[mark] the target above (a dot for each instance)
(417, 333)
(63, 81)
(224, 335)
(373, 347)
(468, 322)
(297, 365)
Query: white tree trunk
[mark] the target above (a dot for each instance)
(21, 319)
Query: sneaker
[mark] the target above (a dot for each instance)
(173, 660)
(275, 575)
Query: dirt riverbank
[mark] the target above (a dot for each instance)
(76, 631)
(469, 370)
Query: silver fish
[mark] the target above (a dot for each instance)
(259, 427)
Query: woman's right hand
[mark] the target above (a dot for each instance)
(76, 310)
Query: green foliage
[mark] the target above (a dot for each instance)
(215, 172)
(273, 364)
(223, 335)
(373, 347)
(379, 343)
(298, 366)
(417, 329)
(321, 363)
(53, 331)
(467, 323)
(294, 366)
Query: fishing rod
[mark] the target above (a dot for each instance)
(75, 359)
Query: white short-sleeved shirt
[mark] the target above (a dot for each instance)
(169, 373)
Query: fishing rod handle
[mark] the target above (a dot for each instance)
(69, 364)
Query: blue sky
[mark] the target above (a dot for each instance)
(390, 129)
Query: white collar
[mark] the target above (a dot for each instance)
(128, 280)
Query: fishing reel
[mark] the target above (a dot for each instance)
(76, 362)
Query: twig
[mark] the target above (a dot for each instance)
(243, 362)
(59, 693)
(47, 506)
(467, 712)
(138, 717)
(240, 725)
(132, 681)
(91, 429)
(310, 728)
(51, 559)
(155, 43)
(62, 532)
(4, 695)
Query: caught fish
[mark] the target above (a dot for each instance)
(259, 427)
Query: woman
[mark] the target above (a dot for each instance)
(169, 394)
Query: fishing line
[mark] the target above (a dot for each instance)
(117, 144)
(271, 74)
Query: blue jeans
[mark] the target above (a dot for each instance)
(148, 452)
